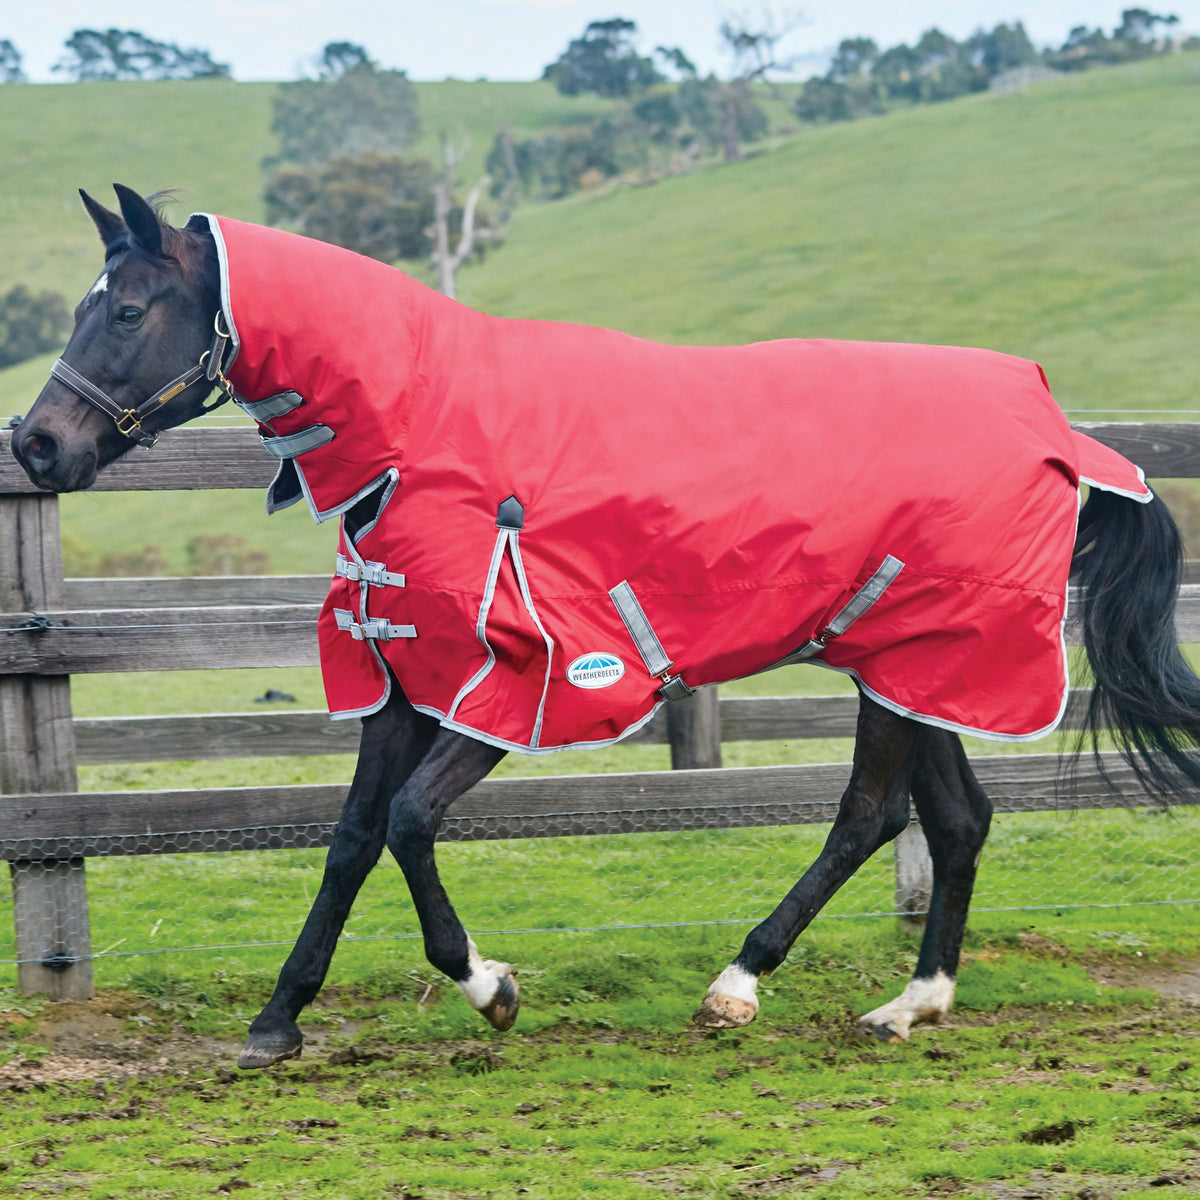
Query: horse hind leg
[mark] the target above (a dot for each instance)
(873, 810)
(955, 814)
(454, 764)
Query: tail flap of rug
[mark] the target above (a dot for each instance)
(1102, 467)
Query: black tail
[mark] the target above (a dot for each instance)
(1128, 565)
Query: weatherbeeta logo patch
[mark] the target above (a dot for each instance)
(595, 670)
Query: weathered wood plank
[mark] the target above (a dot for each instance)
(249, 735)
(913, 871)
(184, 460)
(215, 735)
(30, 553)
(694, 731)
(50, 914)
(1162, 450)
(191, 591)
(107, 823)
(269, 635)
(164, 639)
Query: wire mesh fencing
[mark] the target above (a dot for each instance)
(507, 876)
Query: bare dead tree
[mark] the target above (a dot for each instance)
(446, 261)
(753, 44)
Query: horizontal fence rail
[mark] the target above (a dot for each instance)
(252, 735)
(52, 628)
(151, 637)
(83, 824)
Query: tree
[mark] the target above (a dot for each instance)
(356, 109)
(10, 63)
(446, 261)
(30, 324)
(755, 53)
(826, 98)
(945, 68)
(337, 58)
(128, 54)
(375, 204)
(1003, 49)
(897, 71)
(1138, 26)
(1137, 36)
(605, 61)
(853, 59)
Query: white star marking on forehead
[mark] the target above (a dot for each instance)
(101, 285)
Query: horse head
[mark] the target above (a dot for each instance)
(139, 359)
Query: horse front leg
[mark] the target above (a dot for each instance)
(873, 810)
(955, 815)
(394, 741)
(454, 763)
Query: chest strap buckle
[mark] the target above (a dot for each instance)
(372, 629)
(375, 573)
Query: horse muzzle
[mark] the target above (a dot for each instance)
(48, 464)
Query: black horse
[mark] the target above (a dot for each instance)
(143, 357)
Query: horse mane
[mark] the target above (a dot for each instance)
(160, 199)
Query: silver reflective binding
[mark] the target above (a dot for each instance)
(374, 573)
(855, 607)
(270, 407)
(865, 597)
(647, 643)
(372, 629)
(640, 629)
(292, 445)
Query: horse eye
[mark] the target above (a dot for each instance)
(129, 315)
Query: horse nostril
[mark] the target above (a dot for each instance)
(39, 450)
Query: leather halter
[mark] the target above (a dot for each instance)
(129, 420)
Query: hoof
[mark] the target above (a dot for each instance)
(724, 1012)
(882, 1031)
(501, 1011)
(266, 1048)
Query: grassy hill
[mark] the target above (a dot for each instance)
(1057, 223)
(206, 138)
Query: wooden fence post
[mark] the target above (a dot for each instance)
(38, 755)
(914, 875)
(694, 730)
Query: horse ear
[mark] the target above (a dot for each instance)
(143, 222)
(108, 224)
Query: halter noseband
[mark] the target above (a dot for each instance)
(129, 420)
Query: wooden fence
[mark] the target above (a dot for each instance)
(52, 628)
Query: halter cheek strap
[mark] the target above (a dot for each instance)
(129, 420)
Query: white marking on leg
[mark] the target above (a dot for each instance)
(737, 982)
(481, 983)
(922, 1000)
(730, 1001)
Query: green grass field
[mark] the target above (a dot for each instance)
(1060, 1074)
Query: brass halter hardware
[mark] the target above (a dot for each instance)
(129, 420)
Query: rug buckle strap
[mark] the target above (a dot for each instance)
(371, 628)
(858, 604)
(657, 661)
(374, 573)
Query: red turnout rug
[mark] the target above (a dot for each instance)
(568, 524)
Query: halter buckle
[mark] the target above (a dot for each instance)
(127, 423)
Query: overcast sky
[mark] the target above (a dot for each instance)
(512, 39)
